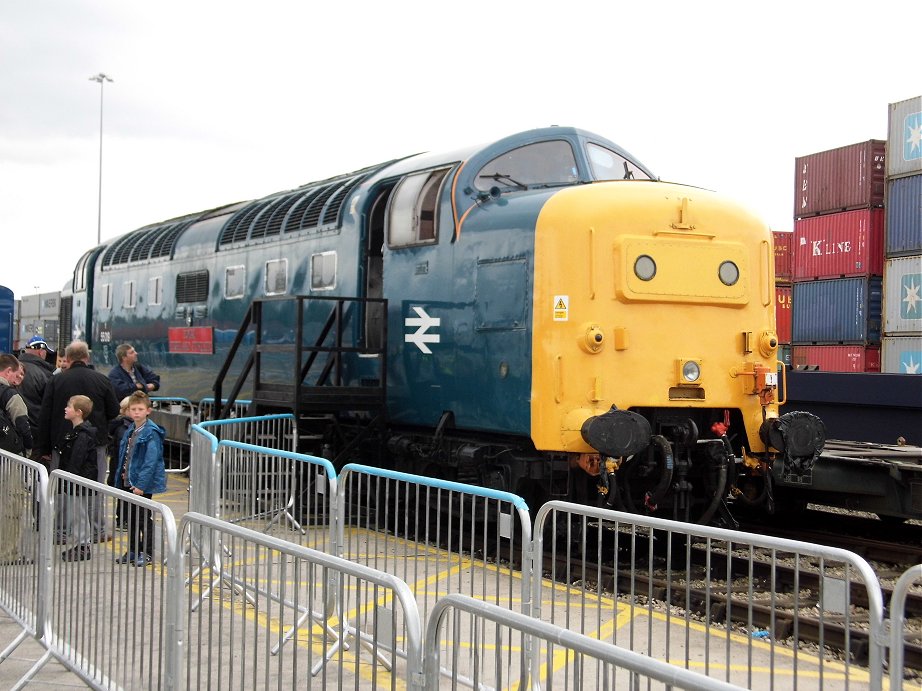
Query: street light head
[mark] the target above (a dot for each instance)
(100, 78)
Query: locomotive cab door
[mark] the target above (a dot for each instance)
(373, 259)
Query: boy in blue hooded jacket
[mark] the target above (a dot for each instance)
(142, 473)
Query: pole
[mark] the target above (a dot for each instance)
(102, 79)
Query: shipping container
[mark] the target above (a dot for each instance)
(850, 177)
(902, 355)
(903, 296)
(783, 243)
(904, 137)
(784, 354)
(838, 358)
(904, 216)
(836, 312)
(850, 243)
(783, 312)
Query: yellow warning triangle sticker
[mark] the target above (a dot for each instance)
(560, 305)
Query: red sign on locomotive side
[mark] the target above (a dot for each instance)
(193, 339)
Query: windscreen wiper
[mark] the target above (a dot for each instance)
(503, 177)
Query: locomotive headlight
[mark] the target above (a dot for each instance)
(688, 371)
(729, 273)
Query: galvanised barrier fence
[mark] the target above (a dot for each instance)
(284, 609)
(23, 498)
(689, 594)
(104, 618)
(438, 536)
(741, 607)
(900, 635)
(468, 643)
(176, 415)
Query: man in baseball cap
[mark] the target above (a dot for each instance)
(38, 363)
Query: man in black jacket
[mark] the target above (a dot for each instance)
(79, 379)
(38, 371)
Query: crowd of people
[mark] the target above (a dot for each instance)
(61, 412)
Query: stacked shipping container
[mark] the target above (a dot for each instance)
(784, 246)
(838, 258)
(902, 286)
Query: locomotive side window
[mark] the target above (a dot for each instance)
(234, 282)
(105, 290)
(155, 291)
(276, 277)
(608, 165)
(413, 210)
(192, 287)
(128, 295)
(323, 271)
(543, 163)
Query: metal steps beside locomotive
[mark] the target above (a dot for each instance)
(333, 415)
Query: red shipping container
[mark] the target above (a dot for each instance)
(838, 358)
(784, 246)
(839, 245)
(850, 177)
(783, 312)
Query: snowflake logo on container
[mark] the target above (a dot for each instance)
(912, 145)
(911, 364)
(910, 287)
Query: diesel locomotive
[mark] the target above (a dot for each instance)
(539, 314)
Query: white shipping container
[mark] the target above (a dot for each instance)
(904, 138)
(903, 296)
(902, 355)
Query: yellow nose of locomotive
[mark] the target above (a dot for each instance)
(649, 297)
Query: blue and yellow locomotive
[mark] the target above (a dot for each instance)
(539, 314)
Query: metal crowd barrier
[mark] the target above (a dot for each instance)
(697, 597)
(261, 487)
(438, 536)
(490, 633)
(236, 637)
(203, 481)
(176, 416)
(206, 409)
(899, 635)
(23, 499)
(108, 622)
(732, 610)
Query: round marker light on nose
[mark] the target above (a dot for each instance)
(691, 371)
(645, 267)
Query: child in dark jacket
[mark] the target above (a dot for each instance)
(142, 473)
(117, 429)
(78, 456)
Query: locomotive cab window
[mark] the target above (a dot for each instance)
(608, 165)
(543, 163)
(234, 282)
(323, 271)
(276, 277)
(412, 217)
(80, 273)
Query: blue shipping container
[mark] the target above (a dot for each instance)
(841, 311)
(904, 217)
(7, 307)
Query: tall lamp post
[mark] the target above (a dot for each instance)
(102, 79)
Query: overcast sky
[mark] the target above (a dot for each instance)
(216, 102)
